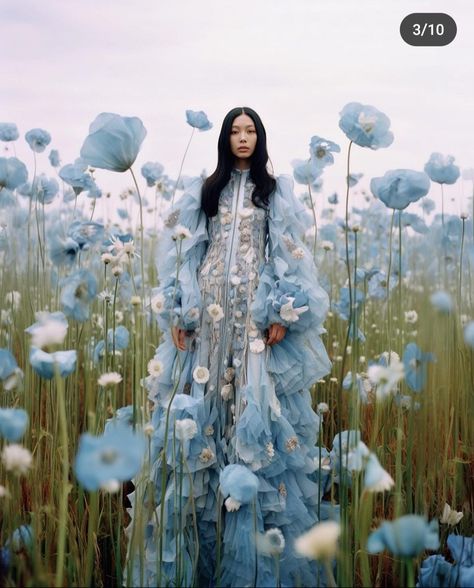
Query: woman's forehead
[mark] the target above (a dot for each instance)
(243, 120)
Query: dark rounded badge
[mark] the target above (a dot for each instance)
(428, 29)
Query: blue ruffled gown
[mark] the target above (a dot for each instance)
(239, 272)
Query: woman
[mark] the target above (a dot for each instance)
(241, 311)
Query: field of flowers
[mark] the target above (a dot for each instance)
(78, 333)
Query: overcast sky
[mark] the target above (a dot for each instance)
(296, 62)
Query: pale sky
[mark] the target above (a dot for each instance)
(296, 62)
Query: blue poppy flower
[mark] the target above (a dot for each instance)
(409, 219)
(122, 338)
(378, 284)
(98, 352)
(406, 536)
(342, 306)
(78, 290)
(376, 478)
(43, 362)
(76, 176)
(86, 233)
(469, 334)
(321, 151)
(239, 482)
(415, 362)
(62, 250)
(21, 539)
(13, 173)
(113, 142)
(363, 393)
(38, 139)
(333, 199)
(436, 571)
(441, 169)
(13, 423)
(428, 205)
(123, 213)
(365, 125)
(152, 172)
(305, 172)
(198, 119)
(69, 196)
(397, 188)
(54, 158)
(7, 198)
(8, 132)
(116, 455)
(44, 318)
(123, 415)
(442, 301)
(8, 364)
(45, 189)
(5, 560)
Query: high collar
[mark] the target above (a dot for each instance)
(240, 171)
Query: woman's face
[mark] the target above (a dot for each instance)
(243, 137)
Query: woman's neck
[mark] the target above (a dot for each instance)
(241, 164)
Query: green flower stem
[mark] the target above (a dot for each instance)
(344, 569)
(91, 534)
(329, 575)
(389, 314)
(143, 329)
(181, 166)
(460, 266)
(410, 573)
(365, 520)
(66, 487)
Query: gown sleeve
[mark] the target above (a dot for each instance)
(289, 292)
(178, 291)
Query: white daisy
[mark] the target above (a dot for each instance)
(16, 459)
(155, 368)
(107, 258)
(109, 379)
(186, 429)
(181, 232)
(411, 316)
(201, 374)
(272, 542)
(157, 303)
(50, 331)
(216, 312)
(257, 346)
(320, 542)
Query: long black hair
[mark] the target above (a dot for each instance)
(264, 182)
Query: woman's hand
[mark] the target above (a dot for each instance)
(276, 332)
(178, 336)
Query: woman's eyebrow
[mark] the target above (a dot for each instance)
(237, 127)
